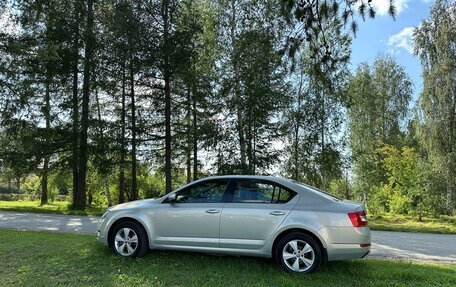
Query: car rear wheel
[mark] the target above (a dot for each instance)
(298, 252)
(129, 239)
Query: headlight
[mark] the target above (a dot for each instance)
(105, 214)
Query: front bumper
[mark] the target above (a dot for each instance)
(101, 232)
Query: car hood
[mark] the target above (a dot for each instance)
(134, 204)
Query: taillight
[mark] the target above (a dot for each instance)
(358, 218)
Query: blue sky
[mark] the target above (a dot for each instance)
(383, 35)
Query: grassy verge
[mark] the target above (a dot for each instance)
(443, 225)
(50, 259)
(54, 207)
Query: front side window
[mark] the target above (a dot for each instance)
(254, 191)
(206, 192)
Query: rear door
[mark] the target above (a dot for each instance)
(194, 219)
(255, 210)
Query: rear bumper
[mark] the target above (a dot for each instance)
(346, 251)
(346, 242)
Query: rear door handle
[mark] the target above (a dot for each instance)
(277, 213)
(212, 211)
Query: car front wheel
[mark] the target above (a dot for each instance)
(129, 239)
(298, 252)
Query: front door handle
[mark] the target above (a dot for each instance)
(277, 213)
(212, 211)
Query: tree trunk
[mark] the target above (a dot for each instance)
(237, 90)
(188, 150)
(134, 187)
(107, 191)
(44, 182)
(254, 149)
(249, 144)
(83, 146)
(168, 183)
(167, 80)
(104, 170)
(449, 193)
(75, 107)
(323, 151)
(122, 143)
(47, 116)
(242, 144)
(296, 144)
(347, 194)
(90, 197)
(195, 140)
(296, 130)
(18, 184)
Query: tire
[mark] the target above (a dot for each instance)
(129, 239)
(298, 252)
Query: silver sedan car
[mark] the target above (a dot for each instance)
(298, 225)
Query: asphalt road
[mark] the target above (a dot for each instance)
(385, 244)
(48, 222)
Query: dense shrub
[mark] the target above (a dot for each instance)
(32, 197)
(6, 190)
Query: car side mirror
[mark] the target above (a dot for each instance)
(172, 198)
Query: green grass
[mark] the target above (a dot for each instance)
(54, 207)
(443, 225)
(52, 259)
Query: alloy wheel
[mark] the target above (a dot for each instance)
(298, 255)
(126, 241)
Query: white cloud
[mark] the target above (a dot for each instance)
(381, 7)
(402, 40)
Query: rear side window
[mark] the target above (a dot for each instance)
(255, 191)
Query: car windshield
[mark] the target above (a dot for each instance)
(327, 194)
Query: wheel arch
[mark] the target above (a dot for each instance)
(304, 231)
(127, 219)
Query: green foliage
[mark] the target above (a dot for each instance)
(263, 93)
(308, 16)
(154, 186)
(435, 42)
(31, 184)
(378, 110)
(60, 182)
(405, 189)
(341, 188)
(169, 91)
(316, 115)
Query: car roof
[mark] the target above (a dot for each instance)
(263, 177)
